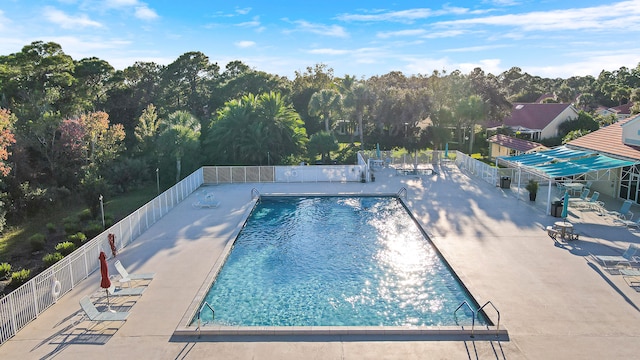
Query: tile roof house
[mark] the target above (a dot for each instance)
(620, 112)
(540, 121)
(503, 145)
(619, 140)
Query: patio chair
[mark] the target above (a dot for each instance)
(125, 277)
(113, 291)
(629, 257)
(624, 213)
(207, 201)
(582, 198)
(631, 277)
(631, 223)
(93, 314)
(592, 203)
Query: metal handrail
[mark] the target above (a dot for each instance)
(473, 319)
(213, 312)
(494, 308)
(255, 194)
(403, 190)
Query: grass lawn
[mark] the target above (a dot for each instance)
(14, 243)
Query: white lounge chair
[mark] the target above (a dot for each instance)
(125, 277)
(624, 213)
(207, 201)
(631, 223)
(93, 314)
(592, 203)
(631, 277)
(582, 198)
(113, 291)
(629, 257)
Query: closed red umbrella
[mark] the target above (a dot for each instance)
(105, 283)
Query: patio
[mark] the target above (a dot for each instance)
(555, 302)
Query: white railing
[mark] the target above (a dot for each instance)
(478, 168)
(282, 174)
(28, 301)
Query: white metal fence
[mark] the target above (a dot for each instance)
(28, 301)
(285, 174)
(492, 174)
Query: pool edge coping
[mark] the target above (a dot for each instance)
(185, 327)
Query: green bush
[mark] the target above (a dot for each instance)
(20, 277)
(72, 227)
(85, 215)
(93, 229)
(77, 238)
(5, 269)
(37, 242)
(51, 259)
(65, 248)
(52, 228)
(108, 220)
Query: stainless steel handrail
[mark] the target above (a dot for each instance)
(255, 194)
(473, 319)
(200, 312)
(496, 309)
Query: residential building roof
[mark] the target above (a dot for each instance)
(608, 141)
(534, 116)
(623, 109)
(515, 143)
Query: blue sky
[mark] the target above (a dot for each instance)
(361, 38)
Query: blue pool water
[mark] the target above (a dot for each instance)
(334, 261)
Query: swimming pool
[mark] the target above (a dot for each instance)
(334, 261)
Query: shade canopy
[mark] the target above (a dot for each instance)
(565, 162)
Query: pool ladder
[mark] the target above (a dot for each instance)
(402, 192)
(477, 312)
(213, 313)
(255, 194)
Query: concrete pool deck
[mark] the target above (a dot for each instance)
(555, 302)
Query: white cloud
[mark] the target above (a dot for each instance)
(245, 44)
(328, 30)
(140, 9)
(411, 32)
(255, 22)
(145, 13)
(120, 3)
(428, 65)
(3, 20)
(475, 48)
(68, 21)
(487, 65)
(606, 17)
(327, 51)
(409, 15)
(590, 63)
(243, 11)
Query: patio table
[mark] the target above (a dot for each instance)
(565, 228)
(574, 188)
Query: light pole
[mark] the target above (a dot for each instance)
(158, 179)
(102, 211)
(268, 159)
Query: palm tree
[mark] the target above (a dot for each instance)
(471, 110)
(358, 99)
(255, 128)
(323, 103)
(180, 136)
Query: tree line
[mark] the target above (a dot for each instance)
(80, 126)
